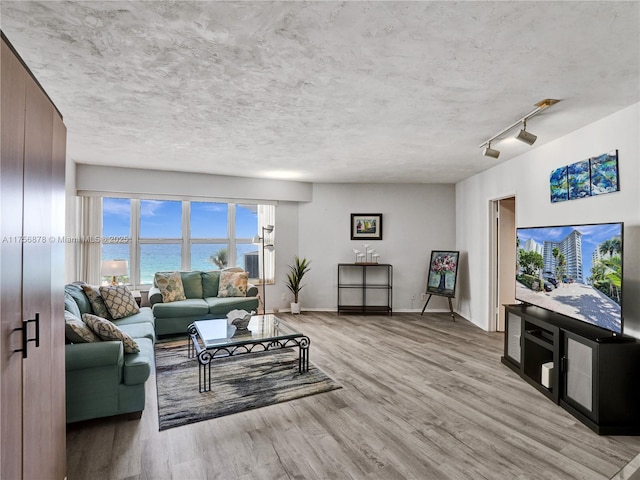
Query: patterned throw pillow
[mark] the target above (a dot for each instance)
(76, 331)
(107, 330)
(170, 285)
(233, 284)
(119, 300)
(97, 303)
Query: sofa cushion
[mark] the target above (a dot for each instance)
(76, 331)
(185, 308)
(219, 307)
(137, 366)
(139, 330)
(107, 330)
(145, 315)
(233, 284)
(70, 305)
(170, 285)
(192, 284)
(119, 300)
(96, 301)
(75, 290)
(210, 283)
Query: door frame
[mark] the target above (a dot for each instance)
(496, 322)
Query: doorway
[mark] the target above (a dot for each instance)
(503, 259)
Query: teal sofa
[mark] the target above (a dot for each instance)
(202, 302)
(101, 379)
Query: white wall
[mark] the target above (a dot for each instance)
(527, 176)
(150, 183)
(416, 219)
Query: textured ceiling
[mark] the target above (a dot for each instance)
(323, 91)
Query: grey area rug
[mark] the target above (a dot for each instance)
(238, 383)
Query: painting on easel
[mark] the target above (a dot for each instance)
(443, 273)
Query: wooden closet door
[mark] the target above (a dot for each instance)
(31, 278)
(58, 201)
(40, 445)
(12, 92)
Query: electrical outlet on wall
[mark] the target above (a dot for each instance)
(423, 296)
(284, 296)
(413, 297)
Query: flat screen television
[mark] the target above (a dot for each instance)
(574, 270)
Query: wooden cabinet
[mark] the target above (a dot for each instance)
(365, 288)
(31, 277)
(596, 381)
(601, 385)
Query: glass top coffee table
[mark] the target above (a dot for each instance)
(211, 339)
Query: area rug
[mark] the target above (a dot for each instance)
(238, 383)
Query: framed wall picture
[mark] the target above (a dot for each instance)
(579, 177)
(559, 185)
(604, 173)
(366, 226)
(443, 273)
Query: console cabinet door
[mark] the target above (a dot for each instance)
(580, 368)
(513, 338)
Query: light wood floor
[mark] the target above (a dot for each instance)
(422, 398)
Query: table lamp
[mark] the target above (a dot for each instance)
(114, 268)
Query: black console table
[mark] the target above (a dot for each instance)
(365, 288)
(591, 374)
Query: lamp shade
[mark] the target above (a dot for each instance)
(114, 268)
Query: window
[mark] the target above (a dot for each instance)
(165, 235)
(116, 228)
(160, 237)
(246, 229)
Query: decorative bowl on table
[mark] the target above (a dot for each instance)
(239, 318)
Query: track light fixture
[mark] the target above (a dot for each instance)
(523, 135)
(490, 152)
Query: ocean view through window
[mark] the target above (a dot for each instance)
(167, 235)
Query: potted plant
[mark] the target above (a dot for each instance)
(294, 280)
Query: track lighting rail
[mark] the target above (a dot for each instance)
(540, 106)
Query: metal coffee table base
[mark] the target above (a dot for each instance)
(207, 355)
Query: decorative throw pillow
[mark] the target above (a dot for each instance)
(119, 300)
(97, 303)
(71, 305)
(170, 285)
(76, 331)
(107, 330)
(233, 284)
(210, 283)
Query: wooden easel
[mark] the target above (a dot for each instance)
(450, 305)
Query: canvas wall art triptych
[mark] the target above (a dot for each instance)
(595, 176)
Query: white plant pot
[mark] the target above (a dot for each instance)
(295, 307)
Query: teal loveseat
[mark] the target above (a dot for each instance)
(101, 379)
(202, 302)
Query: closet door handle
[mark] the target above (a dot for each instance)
(37, 338)
(25, 340)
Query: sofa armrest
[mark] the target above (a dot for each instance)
(155, 296)
(252, 290)
(80, 356)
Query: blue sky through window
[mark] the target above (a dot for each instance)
(160, 219)
(116, 217)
